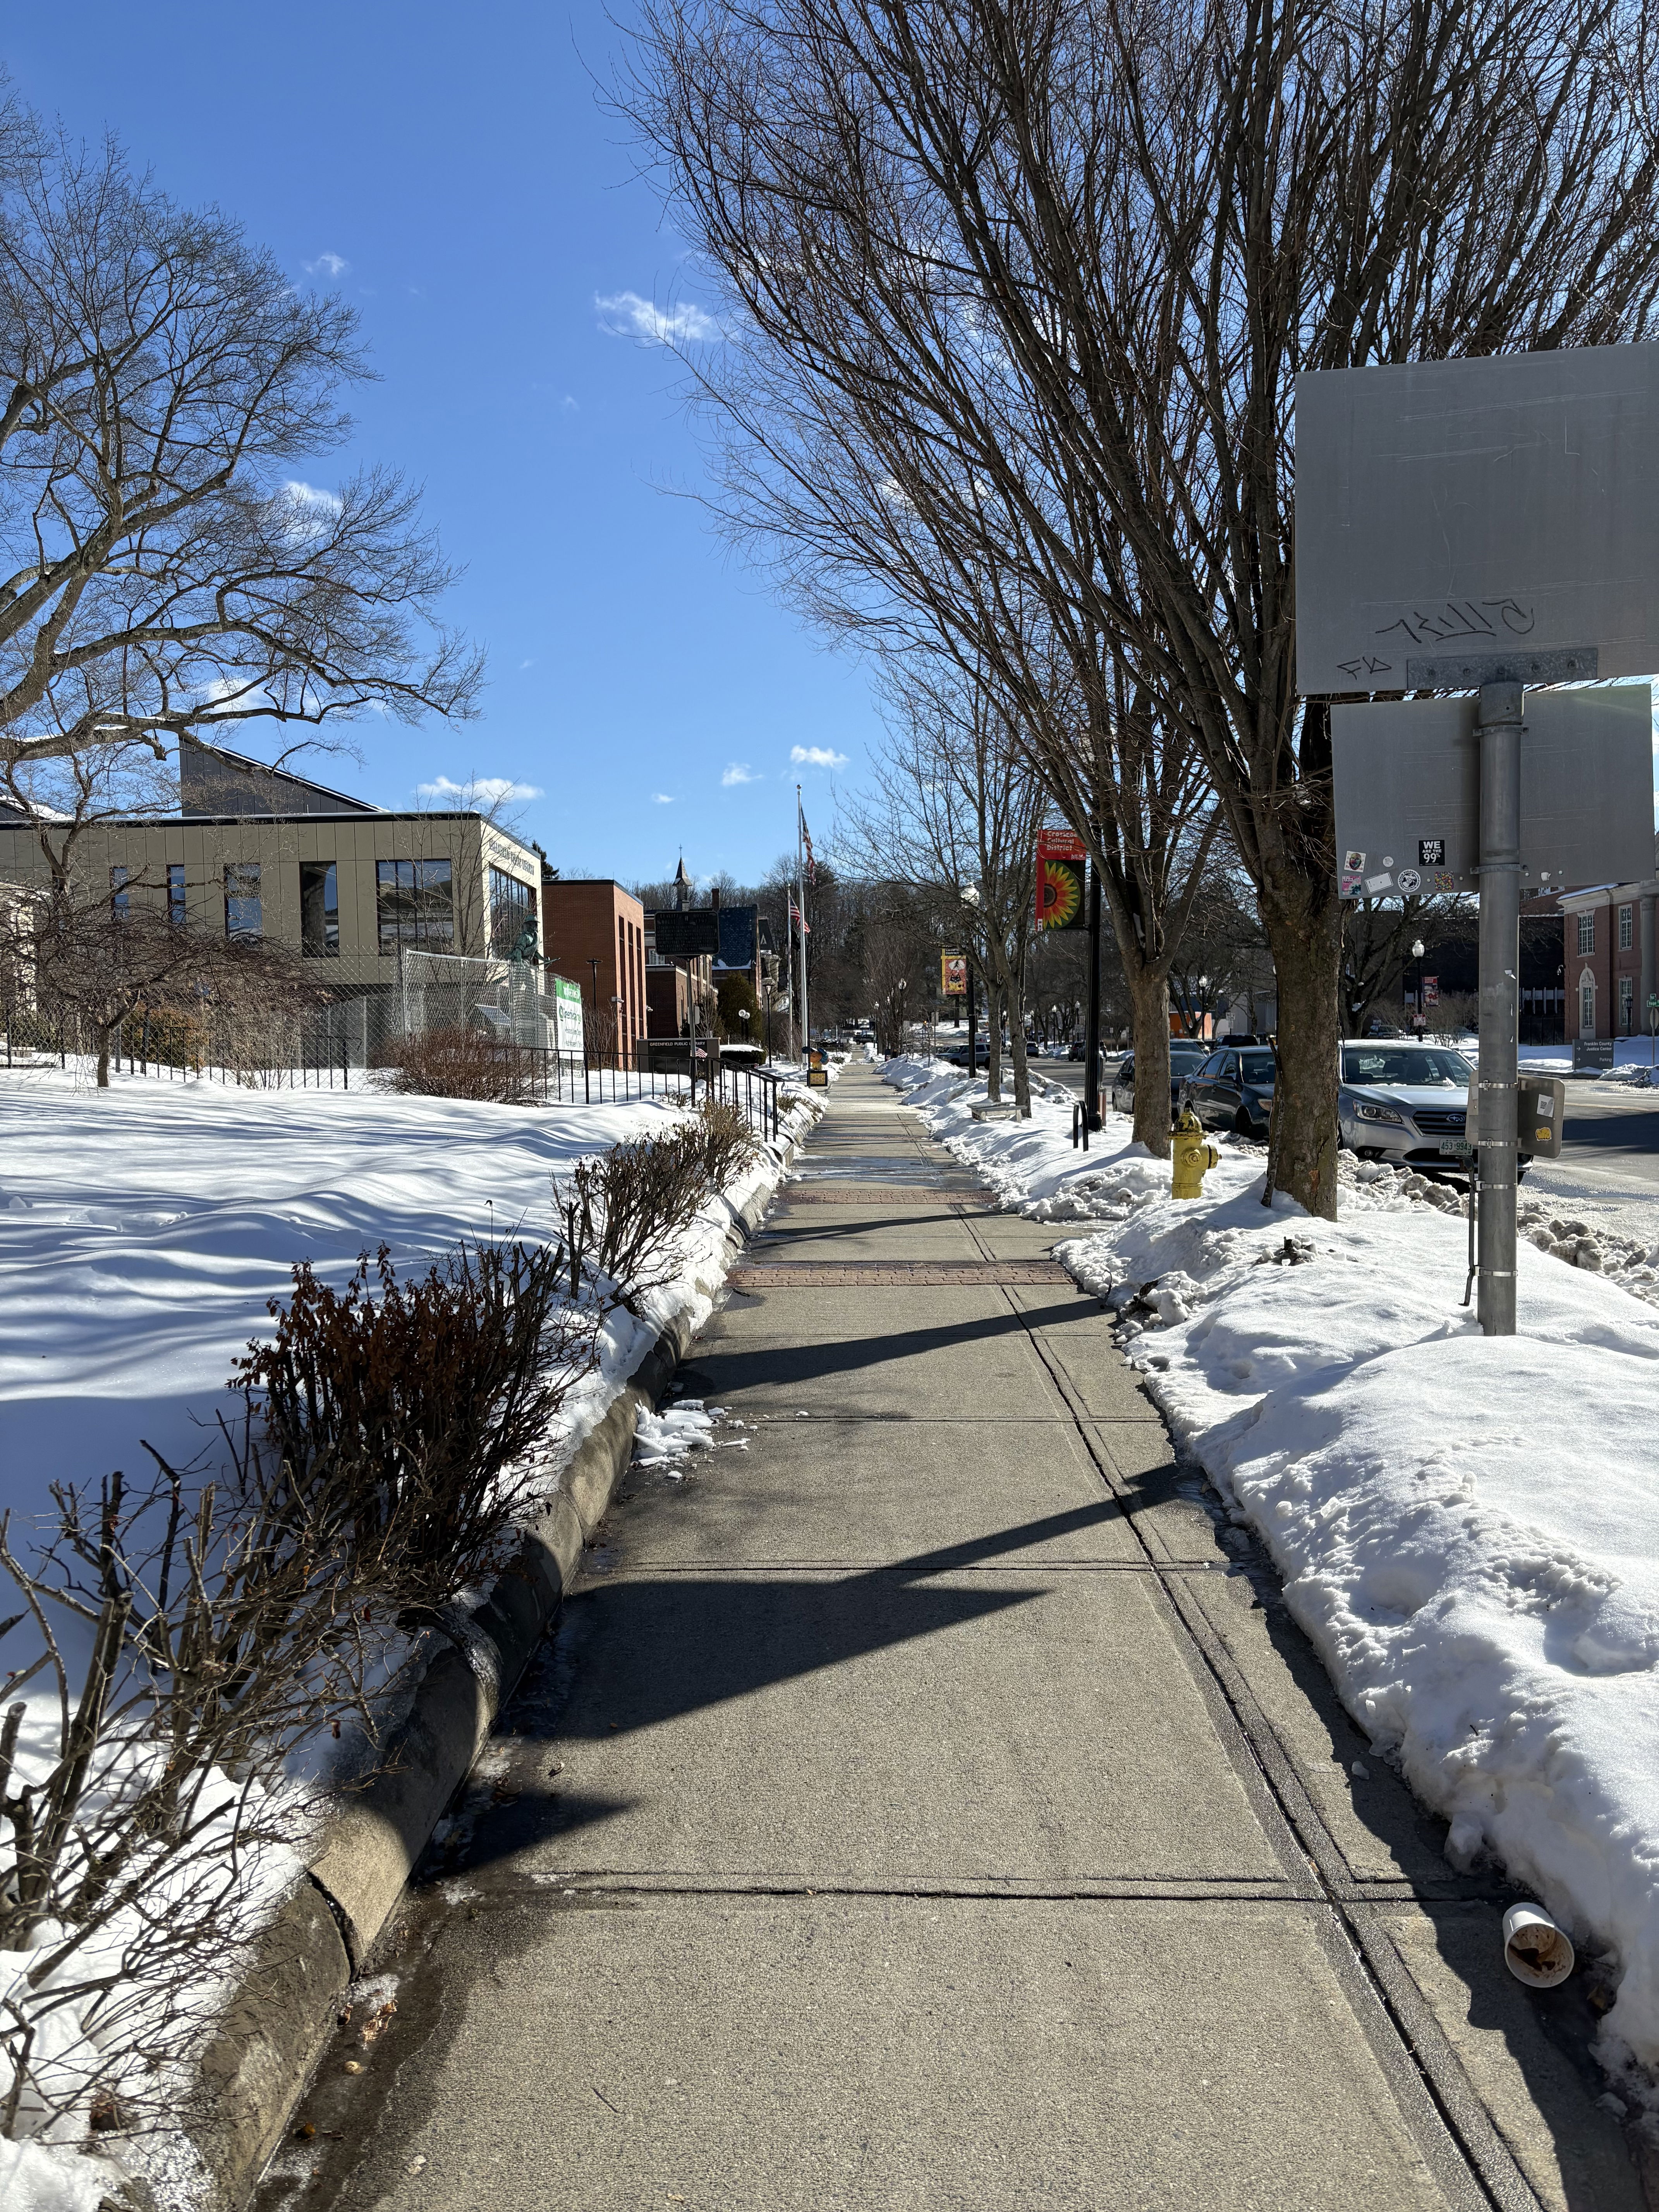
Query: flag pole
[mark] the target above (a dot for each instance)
(801, 908)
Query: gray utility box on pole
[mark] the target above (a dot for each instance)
(1480, 526)
(1540, 1109)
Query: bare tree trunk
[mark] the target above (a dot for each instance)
(1010, 995)
(1017, 1034)
(1149, 998)
(105, 1032)
(992, 1041)
(1304, 937)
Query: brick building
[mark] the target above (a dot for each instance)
(594, 931)
(1608, 958)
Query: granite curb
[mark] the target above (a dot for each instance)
(275, 2025)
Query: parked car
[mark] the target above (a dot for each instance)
(1401, 1101)
(1233, 1088)
(1187, 1056)
(1078, 1048)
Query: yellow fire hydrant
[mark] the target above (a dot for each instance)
(1191, 1157)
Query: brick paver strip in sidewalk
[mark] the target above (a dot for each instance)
(923, 1196)
(807, 1275)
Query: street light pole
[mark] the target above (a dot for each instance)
(1092, 1048)
(970, 899)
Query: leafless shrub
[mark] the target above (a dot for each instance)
(728, 1141)
(626, 1212)
(194, 1643)
(461, 1063)
(398, 1427)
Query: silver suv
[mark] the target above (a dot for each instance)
(1403, 1101)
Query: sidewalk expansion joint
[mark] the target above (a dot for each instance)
(989, 1889)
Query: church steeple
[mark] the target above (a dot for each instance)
(682, 889)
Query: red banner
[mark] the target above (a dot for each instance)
(1061, 857)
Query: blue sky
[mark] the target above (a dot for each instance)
(458, 166)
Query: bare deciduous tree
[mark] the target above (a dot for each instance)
(163, 566)
(955, 815)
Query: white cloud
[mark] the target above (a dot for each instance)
(327, 264)
(628, 316)
(816, 757)
(304, 511)
(480, 790)
(740, 772)
(662, 799)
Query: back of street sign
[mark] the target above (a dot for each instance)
(1408, 793)
(1460, 522)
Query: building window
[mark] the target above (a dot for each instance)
(1627, 1002)
(1587, 933)
(1626, 927)
(176, 893)
(512, 914)
(319, 910)
(1587, 1008)
(415, 905)
(118, 901)
(244, 908)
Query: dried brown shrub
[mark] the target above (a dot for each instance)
(626, 1212)
(461, 1063)
(398, 1425)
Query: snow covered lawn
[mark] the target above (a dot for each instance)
(143, 1230)
(1467, 1529)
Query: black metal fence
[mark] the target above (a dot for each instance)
(315, 1055)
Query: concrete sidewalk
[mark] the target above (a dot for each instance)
(932, 1805)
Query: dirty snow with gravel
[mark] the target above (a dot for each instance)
(1465, 1525)
(143, 1230)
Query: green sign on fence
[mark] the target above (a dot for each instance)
(567, 1015)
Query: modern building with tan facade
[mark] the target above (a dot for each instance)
(257, 852)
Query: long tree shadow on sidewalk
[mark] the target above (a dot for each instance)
(636, 1653)
(776, 1366)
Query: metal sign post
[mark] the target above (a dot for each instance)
(1500, 724)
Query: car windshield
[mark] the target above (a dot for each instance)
(1187, 1056)
(1258, 1069)
(1417, 1066)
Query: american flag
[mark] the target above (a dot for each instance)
(806, 839)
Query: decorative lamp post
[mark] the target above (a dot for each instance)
(1419, 1019)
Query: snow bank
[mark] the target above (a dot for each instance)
(1465, 1528)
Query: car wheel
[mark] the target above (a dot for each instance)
(1243, 1125)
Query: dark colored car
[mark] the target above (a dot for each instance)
(1233, 1090)
(1186, 1058)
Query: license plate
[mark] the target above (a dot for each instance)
(1454, 1148)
